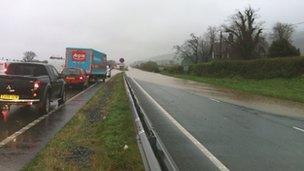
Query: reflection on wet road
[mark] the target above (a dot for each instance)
(22, 148)
(18, 117)
(241, 132)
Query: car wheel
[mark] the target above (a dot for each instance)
(85, 85)
(44, 106)
(62, 98)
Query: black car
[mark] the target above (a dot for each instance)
(31, 84)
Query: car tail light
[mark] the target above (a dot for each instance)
(36, 85)
(5, 68)
(81, 78)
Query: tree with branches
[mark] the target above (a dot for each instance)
(190, 50)
(29, 56)
(282, 41)
(245, 33)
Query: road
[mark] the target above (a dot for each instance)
(205, 128)
(24, 133)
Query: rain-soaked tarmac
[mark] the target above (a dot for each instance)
(243, 131)
(22, 149)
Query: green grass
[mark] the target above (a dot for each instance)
(289, 89)
(105, 138)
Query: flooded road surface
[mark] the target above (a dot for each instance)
(242, 131)
(22, 148)
(262, 103)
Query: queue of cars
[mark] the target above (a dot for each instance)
(37, 84)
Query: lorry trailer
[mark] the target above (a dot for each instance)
(93, 62)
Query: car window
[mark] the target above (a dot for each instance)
(26, 69)
(55, 71)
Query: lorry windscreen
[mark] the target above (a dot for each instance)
(26, 69)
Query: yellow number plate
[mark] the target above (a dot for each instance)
(9, 97)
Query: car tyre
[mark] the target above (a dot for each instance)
(85, 85)
(44, 106)
(62, 99)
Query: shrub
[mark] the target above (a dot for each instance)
(283, 48)
(149, 66)
(253, 69)
(175, 69)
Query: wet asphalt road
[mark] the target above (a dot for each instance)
(15, 154)
(240, 137)
(19, 117)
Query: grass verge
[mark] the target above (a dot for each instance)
(95, 141)
(288, 89)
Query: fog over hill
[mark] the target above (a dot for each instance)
(165, 59)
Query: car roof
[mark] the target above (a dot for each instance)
(31, 63)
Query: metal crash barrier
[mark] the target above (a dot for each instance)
(154, 154)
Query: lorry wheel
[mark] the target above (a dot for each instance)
(62, 99)
(44, 106)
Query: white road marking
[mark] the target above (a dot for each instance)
(36, 121)
(215, 100)
(202, 148)
(297, 128)
(141, 132)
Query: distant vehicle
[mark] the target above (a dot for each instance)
(75, 77)
(93, 62)
(121, 66)
(108, 71)
(31, 84)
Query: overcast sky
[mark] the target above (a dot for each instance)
(133, 29)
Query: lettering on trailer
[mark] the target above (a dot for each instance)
(79, 55)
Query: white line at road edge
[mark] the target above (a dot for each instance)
(36, 121)
(202, 148)
(297, 128)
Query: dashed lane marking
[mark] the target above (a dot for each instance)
(297, 128)
(215, 100)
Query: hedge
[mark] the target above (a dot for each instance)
(149, 66)
(253, 69)
(175, 69)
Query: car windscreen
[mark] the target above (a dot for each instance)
(71, 71)
(26, 70)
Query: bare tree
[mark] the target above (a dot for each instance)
(190, 50)
(282, 31)
(29, 56)
(282, 41)
(183, 52)
(245, 33)
(211, 37)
